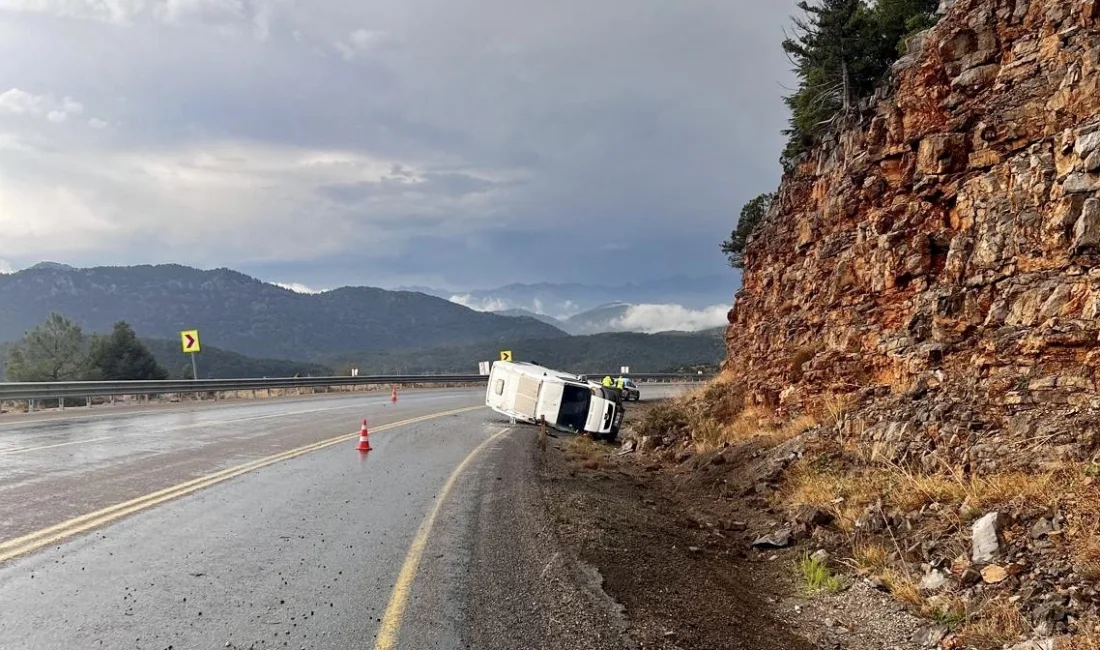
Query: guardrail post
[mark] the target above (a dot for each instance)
(89, 402)
(61, 404)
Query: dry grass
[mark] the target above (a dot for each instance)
(717, 414)
(751, 422)
(1087, 556)
(902, 586)
(996, 623)
(871, 556)
(913, 491)
(848, 493)
(1087, 637)
(847, 487)
(583, 451)
(831, 408)
(845, 495)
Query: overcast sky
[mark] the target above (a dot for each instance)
(452, 143)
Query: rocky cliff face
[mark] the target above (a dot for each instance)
(939, 258)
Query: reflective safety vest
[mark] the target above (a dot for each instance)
(607, 382)
(620, 383)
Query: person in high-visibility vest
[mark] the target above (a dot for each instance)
(607, 381)
(620, 383)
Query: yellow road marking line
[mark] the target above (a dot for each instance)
(22, 545)
(399, 599)
(23, 450)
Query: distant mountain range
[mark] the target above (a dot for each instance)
(562, 301)
(582, 354)
(241, 314)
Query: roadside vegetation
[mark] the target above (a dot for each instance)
(882, 514)
(585, 452)
(59, 350)
(817, 576)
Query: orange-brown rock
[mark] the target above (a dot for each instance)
(939, 255)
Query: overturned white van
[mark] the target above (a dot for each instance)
(527, 392)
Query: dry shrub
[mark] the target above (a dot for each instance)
(673, 418)
(829, 409)
(711, 416)
(1086, 638)
(585, 452)
(995, 624)
(723, 400)
(799, 358)
(1087, 556)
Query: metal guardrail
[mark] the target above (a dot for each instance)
(17, 391)
(22, 391)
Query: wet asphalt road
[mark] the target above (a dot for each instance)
(54, 467)
(302, 553)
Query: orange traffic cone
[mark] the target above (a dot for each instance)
(364, 438)
(393, 395)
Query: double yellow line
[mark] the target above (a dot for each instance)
(22, 545)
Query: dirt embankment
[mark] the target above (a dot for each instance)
(672, 533)
(1005, 559)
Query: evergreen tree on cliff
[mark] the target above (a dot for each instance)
(751, 215)
(842, 49)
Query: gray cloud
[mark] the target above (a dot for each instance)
(425, 139)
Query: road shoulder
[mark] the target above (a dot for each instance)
(526, 590)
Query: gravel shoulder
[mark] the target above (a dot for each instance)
(526, 589)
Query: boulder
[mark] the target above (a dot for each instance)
(779, 539)
(813, 516)
(933, 581)
(986, 538)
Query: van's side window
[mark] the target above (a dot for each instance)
(500, 387)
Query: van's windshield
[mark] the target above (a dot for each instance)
(574, 407)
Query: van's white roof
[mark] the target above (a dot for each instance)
(537, 370)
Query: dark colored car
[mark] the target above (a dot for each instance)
(631, 391)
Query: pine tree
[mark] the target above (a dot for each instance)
(751, 215)
(120, 356)
(841, 50)
(56, 350)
